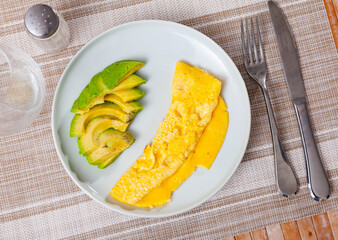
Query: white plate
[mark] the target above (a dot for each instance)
(160, 45)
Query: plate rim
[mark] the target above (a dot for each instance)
(120, 210)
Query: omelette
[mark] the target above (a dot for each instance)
(195, 95)
(203, 156)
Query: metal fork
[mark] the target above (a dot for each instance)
(256, 67)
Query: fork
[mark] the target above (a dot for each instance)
(256, 67)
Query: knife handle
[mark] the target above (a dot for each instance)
(317, 180)
(285, 178)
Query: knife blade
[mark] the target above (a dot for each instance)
(317, 180)
(288, 52)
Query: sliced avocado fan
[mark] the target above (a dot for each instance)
(104, 110)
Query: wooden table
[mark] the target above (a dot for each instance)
(323, 227)
(332, 13)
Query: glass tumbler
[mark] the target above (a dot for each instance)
(22, 90)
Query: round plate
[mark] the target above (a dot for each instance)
(160, 45)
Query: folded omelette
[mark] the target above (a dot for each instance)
(195, 95)
(204, 155)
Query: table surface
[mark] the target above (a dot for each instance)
(38, 200)
(322, 226)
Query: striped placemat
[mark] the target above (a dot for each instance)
(38, 200)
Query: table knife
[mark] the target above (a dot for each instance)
(316, 178)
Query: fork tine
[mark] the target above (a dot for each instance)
(243, 45)
(259, 40)
(254, 41)
(248, 40)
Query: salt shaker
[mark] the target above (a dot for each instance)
(47, 28)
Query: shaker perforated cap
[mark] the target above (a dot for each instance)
(41, 21)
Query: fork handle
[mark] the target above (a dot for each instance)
(285, 179)
(317, 180)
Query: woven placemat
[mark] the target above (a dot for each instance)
(38, 200)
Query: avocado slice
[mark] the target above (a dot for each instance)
(104, 81)
(79, 122)
(90, 140)
(84, 96)
(130, 94)
(105, 163)
(130, 82)
(109, 135)
(90, 94)
(128, 107)
(112, 144)
(96, 86)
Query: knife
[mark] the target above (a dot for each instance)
(317, 180)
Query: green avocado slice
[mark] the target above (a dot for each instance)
(79, 122)
(90, 140)
(103, 82)
(128, 107)
(130, 94)
(105, 163)
(130, 82)
(112, 144)
(84, 97)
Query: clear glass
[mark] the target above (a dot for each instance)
(58, 41)
(22, 90)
